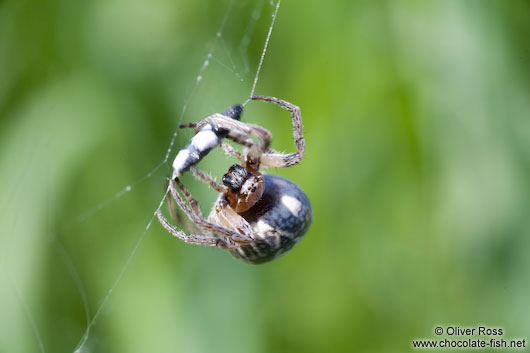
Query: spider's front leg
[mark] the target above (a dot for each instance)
(206, 178)
(231, 151)
(273, 159)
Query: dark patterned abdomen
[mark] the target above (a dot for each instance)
(279, 220)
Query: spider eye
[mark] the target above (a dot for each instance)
(230, 182)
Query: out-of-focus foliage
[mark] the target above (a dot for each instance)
(417, 125)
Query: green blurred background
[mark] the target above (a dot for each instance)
(417, 126)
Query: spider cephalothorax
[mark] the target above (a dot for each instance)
(245, 188)
(257, 217)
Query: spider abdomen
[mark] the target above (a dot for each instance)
(279, 220)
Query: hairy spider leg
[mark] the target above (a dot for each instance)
(195, 239)
(206, 178)
(231, 151)
(276, 159)
(191, 201)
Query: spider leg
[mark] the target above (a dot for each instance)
(206, 178)
(195, 239)
(177, 216)
(187, 125)
(240, 138)
(276, 159)
(170, 202)
(231, 151)
(279, 160)
(193, 203)
(245, 237)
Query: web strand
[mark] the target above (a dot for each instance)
(245, 41)
(16, 292)
(27, 313)
(124, 268)
(219, 35)
(263, 53)
(80, 288)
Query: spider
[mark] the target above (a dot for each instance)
(256, 217)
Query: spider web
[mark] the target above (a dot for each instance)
(209, 60)
(220, 55)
